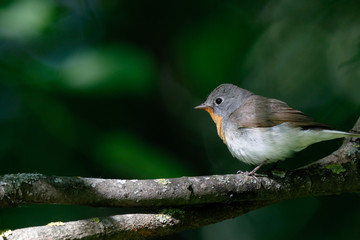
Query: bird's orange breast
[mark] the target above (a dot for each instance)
(218, 121)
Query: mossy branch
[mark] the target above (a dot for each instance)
(199, 201)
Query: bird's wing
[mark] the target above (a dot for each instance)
(258, 111)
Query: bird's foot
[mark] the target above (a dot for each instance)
(242, 172)
(253, 172)
(250, 174)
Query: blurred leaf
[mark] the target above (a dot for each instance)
(115, 69)
(22, 20)
(126, 154)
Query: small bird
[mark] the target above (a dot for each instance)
(259, 130)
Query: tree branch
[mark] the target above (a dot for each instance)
(200, 200)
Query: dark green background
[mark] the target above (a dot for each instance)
(107, 89)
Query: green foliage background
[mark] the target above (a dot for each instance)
(107, 89)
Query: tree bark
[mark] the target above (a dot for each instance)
(175, 204)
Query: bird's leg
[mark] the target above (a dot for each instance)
(252, 173)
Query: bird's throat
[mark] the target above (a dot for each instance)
(218, 121)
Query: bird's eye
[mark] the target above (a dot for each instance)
(218, 101)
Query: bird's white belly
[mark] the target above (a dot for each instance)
(255, 145)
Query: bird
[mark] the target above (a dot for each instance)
(259, 130)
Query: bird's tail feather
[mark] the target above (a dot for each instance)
(345, 134)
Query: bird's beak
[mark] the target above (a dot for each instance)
(202, 106)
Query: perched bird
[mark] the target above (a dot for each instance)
(259, 130)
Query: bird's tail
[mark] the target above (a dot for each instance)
(342, 134)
